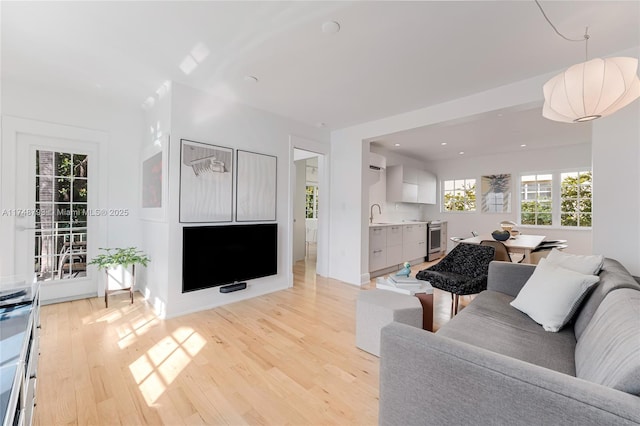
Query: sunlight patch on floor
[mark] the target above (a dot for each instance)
(157, 368)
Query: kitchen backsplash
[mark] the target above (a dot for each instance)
(391, 212)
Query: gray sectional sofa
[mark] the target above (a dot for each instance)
(492, 364)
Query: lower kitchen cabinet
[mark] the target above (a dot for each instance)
(393, 244)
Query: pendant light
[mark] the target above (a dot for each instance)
(592, 89)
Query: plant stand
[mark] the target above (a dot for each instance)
(129, 289)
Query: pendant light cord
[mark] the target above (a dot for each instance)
(585, 38)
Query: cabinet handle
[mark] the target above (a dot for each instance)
(377, 251)
(33, 376)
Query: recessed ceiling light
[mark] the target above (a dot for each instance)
(523, 145)
(330, 27)
(443, 143)
(250, 79)
(396, 144)
(461, 153)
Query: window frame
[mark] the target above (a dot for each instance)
(556, 198)
(443, 193)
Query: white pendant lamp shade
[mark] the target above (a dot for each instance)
(591, 90)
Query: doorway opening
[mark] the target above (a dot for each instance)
(307, 210)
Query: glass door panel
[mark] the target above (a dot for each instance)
(61, 206)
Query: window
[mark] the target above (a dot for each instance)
(459, 195)
(312, 202)
(61, 220)
(536, 199)
(575, 198)
(557, 198)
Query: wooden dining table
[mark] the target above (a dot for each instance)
(524, 244)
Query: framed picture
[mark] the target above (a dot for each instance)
(155, 179)
(206, 182)
(496, 193)
(256, 187)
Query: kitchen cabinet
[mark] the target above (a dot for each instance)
(394, 245)
(414, 244)
(390, 245)
(427, 187)
(377, 248)
(410, 185)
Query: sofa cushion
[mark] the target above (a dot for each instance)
(552, 294)
(491, 323)
(608, 352)
(584, 264)
(613, 276)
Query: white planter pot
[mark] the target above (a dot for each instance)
(119, 278)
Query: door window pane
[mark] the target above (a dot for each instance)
(61, 219)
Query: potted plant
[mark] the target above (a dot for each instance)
(120, 266)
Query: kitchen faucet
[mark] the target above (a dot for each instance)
(379, 211)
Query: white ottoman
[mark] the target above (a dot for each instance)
(377, 308)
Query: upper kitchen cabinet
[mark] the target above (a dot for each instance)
(427, 186)
(410, 185)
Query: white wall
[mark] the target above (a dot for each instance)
(460, 224)
(154, 280)
(198, 116)
(122, 123)
(616, 186)
(348, 201)
(119, 160)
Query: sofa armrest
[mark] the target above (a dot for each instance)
(434, 380)
(507, 277)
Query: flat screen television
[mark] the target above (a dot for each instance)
(218, 255)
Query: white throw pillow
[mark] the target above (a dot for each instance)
(553, 294)
(584, 264)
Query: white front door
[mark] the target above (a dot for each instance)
(54, 210)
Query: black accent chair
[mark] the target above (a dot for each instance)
(502, 253)
(461, 272)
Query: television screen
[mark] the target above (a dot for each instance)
(218, 255)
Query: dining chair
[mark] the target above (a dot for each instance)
(502, 253)
(545, 248)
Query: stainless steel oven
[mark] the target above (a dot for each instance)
(434, 240)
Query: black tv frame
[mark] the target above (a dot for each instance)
(244, 252)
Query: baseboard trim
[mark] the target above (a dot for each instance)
(69, 299)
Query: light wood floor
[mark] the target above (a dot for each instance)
(284, 358)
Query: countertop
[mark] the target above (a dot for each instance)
(409, 222)
(13, 331)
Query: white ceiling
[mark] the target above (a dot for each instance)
(389, 57)
(486, 134)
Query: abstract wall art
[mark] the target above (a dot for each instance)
(256, 187)
(206, 182)
(496, 193)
